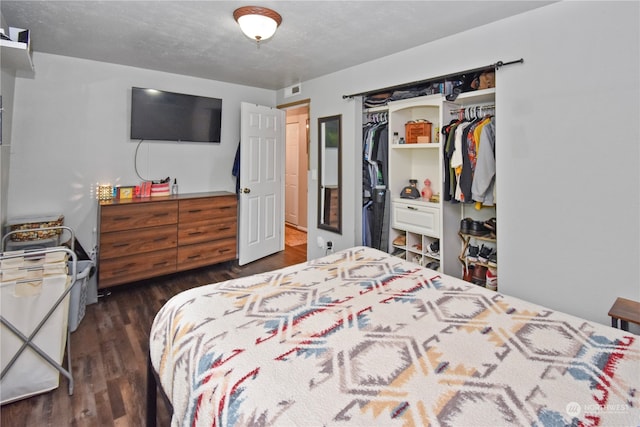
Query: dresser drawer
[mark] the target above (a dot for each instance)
(204, 231)
(127, 217)
(127, 269)
(416, 218)
(202, 254)
(121, 243)
(207, 209)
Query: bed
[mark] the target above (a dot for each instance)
(362, 338)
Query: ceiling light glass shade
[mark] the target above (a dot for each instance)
(257, 23)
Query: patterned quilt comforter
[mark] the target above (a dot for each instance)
(361, 338)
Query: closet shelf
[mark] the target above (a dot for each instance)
(476, 97)
(16, 55)
(465, 236)
(422, 145)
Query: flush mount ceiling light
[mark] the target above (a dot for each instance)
(257, 23)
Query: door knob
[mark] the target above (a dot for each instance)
(246, 190)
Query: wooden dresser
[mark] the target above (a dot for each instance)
(146, 237)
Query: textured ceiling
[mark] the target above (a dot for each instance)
(201, 38)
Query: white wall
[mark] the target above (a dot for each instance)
(568, 147)
(7, 85)
(71, 132)
(7, 80)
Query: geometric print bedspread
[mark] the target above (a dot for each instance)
(361, 338)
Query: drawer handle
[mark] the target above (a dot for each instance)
(160, 239)
(160, 264)
(120, 245)
(120, 272)
(224, 228)
(195, 233)
(224, 207)
(121, 218)
(194, 256)
(161, 214)
(412, 208)
(224, 250)
(195, 211)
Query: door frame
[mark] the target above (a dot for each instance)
(290, 106)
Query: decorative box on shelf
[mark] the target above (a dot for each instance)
(415, 129)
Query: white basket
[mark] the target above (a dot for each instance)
(78, 300)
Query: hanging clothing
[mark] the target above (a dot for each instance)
(375, 156)
(459, 158)
(366, 227)
(483, 187)
(235, 170)
(463, 143)
(449, 183)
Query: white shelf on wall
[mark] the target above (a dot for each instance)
(15, 55)
(476, 97)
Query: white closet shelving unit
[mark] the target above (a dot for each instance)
(419, 220)
(424, 222)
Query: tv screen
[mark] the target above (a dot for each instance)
(166, 116)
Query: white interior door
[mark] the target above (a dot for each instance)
(291, 175)
(262, 139)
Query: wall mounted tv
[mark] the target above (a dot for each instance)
(158, 115)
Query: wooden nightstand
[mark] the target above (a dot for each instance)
(626, 311)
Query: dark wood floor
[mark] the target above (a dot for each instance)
(109, 352)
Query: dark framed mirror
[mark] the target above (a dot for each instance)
(330, 173)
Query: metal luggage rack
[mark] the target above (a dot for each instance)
(28, 340)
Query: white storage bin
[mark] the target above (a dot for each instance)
(79, 292)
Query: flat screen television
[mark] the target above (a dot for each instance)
(158, 115)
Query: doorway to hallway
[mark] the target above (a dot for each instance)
(296, 176)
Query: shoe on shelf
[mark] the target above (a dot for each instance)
(478, 229)
(467, 274)
(434, 265)
(493, 260)
(492, 278)
(465, 225)
(400, 240)
(479, 275)
(434, 248)
(491, 225)
(399, 252)
(485, 253)
(472, 253)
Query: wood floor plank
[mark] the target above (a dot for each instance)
(104, 415)
(83, 403)
(110, 347)
(115, 398)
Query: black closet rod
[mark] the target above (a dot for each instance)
(434, 79)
